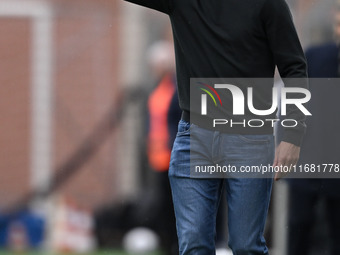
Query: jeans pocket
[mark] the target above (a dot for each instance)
(183, 128)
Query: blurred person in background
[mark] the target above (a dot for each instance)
(321, 145)
(163, 117)
(152, 208)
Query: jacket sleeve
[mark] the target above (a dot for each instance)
(159, 5)
(289, 58)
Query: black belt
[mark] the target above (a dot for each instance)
(205, 122)
(186, 116)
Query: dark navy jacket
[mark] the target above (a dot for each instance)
(321, 143)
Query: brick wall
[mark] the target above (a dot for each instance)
(14, 109)
(84, 74)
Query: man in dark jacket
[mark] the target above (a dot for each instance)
(321, 146)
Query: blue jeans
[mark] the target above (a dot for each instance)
(196, 200)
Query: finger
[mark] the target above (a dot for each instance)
(276, 159)
(279, 175)
(282, 174)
